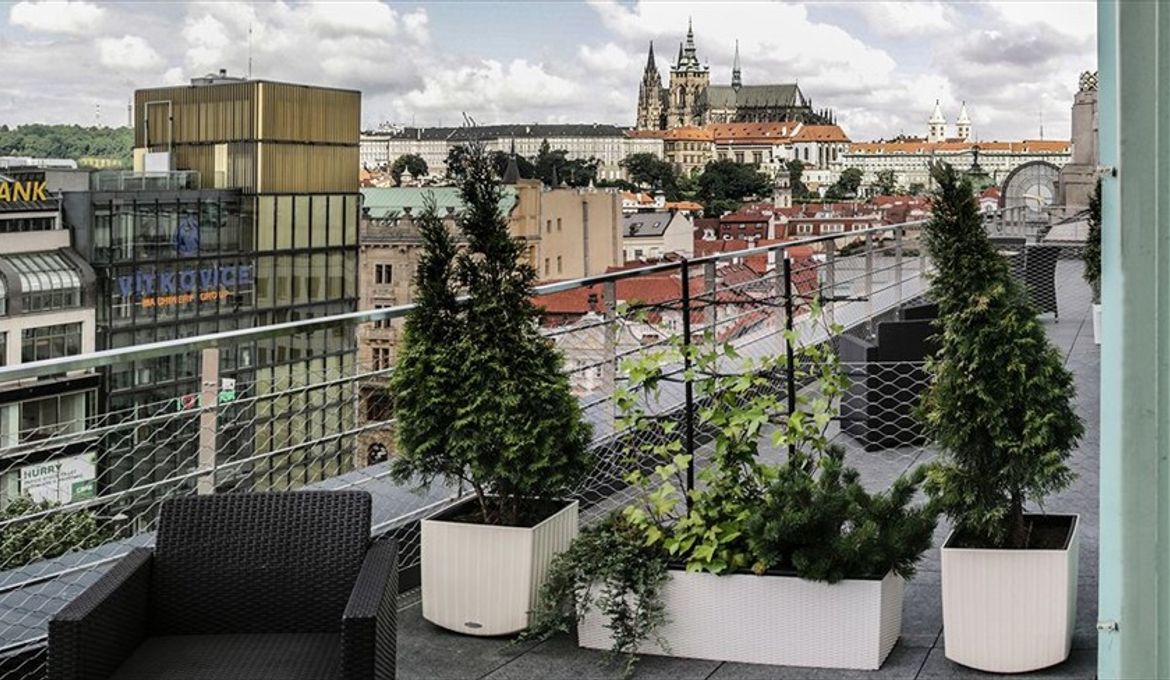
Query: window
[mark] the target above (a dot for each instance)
(50, 342)
(738, 156)
(558, 224)
(381, 359)
(559, 268)
(546, 266)
(382, 323)
(804, 229)
(3, 348)
(383, 274)
(548, 226)
(52, 416)
(757, 157)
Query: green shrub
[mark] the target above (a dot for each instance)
(480, 397)
(1092, 252)
(1000, 400)
(56, 533)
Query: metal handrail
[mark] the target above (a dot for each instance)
(109, 357)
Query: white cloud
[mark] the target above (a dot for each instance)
(130, 52)
(904, 19)
(608, 58)
(490, 89)
(1077, 19)
(50, 16)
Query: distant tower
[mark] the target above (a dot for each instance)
(650, 95)
(736, 81)
(782, 189)
(688, 86)
(963, 124)
(938, 125)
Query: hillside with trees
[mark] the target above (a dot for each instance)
(86, 145)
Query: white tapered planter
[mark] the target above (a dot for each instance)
(1097, 323)
(1010, 611)
(779, 620)
(482, 579)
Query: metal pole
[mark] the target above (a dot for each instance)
(830, 284)
(609, 351)
(709, 307)
(869, 247)
(208, 418)
(789, 350)
(689, 407)
(899, 234)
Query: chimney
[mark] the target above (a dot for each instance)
(223, 73)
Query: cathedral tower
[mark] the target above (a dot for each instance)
(688, 86)
(650, 96)
(963, 124)
(736, 80)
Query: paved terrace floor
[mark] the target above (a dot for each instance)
(428, 652)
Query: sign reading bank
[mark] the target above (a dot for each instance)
(15, 190)
(159, 289)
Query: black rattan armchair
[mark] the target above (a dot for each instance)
(270, 586)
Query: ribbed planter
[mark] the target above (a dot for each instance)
(482, 579)
(779, 620)
(1010, 611)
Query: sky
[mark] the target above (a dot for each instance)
(879, 65)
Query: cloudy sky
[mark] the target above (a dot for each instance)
(881, 65)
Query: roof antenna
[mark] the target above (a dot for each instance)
(249, 50)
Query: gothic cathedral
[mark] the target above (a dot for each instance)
(691, 99)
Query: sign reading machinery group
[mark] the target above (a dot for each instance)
(159, 289)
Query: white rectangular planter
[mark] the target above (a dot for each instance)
(780, 620)
(482, 579)
(1010, 611)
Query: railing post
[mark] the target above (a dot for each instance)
(688, 387)
(899, 232)
(610, 348)
(789, 350)
(830, 279)
(208, 418)
(709, 307)
(869, 247)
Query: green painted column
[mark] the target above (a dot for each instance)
(1134, 116)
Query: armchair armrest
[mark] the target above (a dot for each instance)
(369, 624)
(92, 635)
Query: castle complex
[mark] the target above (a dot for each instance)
(691, 99)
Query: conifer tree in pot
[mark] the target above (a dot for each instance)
(482, 404)
(1000, 409)
(1092, 257)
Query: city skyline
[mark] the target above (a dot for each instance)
(880, 66)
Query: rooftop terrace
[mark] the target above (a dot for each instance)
(337, 437)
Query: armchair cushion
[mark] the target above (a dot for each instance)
(255, 656)
(97, 631)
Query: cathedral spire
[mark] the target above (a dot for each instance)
(679, 63)
(692, 60)
(650, 63)
(736, 81)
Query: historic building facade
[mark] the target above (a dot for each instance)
(691, 100)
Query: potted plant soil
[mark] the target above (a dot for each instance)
(999, 407)
(791, 562)
(1092, 257)
(481, 403)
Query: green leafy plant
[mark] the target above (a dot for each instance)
(53, 534)
(610, 569)
(1092, 253)
(808, 514)
(480, 397)
(1000, 400)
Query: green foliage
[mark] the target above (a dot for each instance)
(886, 183)
(609, 569)
(500, 165)
(846, 185)
(651, 172)
(724, 185)
(480, 395)
(1092, 252)
(554, 167)
(54, 534)
(412, 163)
(796, 175)
(809, 513)
(68, 141)
(917, 188)
(1000, 400)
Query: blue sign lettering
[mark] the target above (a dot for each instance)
(166, 283)
(207, 279)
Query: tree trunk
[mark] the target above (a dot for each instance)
(1017, 526)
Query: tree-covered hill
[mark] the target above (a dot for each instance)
(87, 145)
